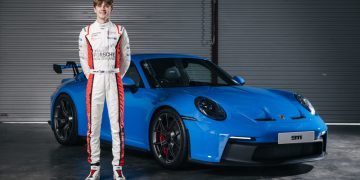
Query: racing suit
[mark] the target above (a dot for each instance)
(105, 57)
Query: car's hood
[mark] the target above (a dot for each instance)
(254, 103)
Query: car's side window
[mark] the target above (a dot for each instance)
(198, 73)
(134, 75)
(168, 73)
(163, 73)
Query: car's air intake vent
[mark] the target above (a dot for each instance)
(265, 119)
(279, 152)
(298, 117)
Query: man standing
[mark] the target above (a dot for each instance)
(105, 57)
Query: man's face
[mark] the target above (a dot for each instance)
(103, 11)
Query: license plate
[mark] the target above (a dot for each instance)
(296, 137)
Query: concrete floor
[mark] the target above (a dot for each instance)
(30, 151)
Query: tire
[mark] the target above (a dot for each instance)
(168, 139)
(65, 121)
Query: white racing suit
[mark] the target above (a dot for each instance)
(105, 57)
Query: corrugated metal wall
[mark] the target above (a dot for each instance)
(307, 46)
(34, 34)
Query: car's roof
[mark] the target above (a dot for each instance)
(139, 57)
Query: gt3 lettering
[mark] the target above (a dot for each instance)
(294, 138)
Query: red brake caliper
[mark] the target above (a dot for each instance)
(165, 150)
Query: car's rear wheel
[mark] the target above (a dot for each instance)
(65, 120)
(168, 138)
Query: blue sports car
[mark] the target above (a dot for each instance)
(184, 107)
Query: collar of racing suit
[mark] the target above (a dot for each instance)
(103, 25)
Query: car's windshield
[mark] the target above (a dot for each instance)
(185, 72)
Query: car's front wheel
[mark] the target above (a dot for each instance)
(168, 138)
(65, 120)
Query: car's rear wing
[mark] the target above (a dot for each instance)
(69, 64)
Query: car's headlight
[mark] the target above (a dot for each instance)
(210, 108)
(306, 103)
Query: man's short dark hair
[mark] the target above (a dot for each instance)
(99, 2)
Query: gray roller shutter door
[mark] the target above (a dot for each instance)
(306, 46)
(35, 34)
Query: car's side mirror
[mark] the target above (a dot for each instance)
(129, 83)
(239, 80)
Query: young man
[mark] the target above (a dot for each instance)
(105, 57)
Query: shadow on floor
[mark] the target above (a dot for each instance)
(31, 151)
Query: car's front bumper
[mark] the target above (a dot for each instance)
(237, 153)
(270, 154)
(215, 143)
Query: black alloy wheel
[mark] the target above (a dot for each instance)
(168, 139)
(65, 120)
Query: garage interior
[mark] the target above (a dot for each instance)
(309, 47)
